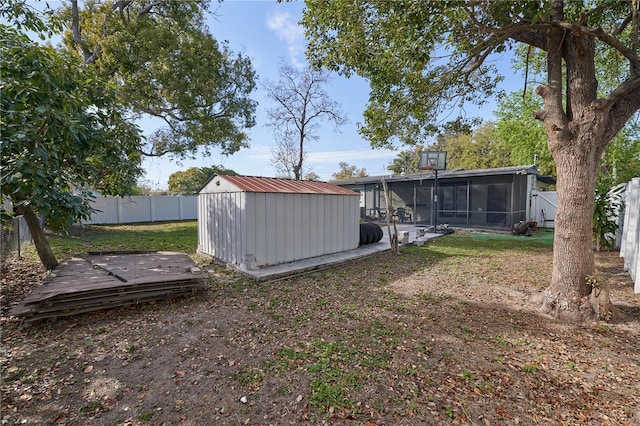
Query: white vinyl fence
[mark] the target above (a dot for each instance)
(152, 208)
(630, 247)
(544, 204)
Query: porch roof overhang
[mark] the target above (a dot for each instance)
(447, 174)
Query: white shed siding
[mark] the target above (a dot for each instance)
(301, 221)
(282, 226)
(315, 232)
(205, 212)
(220, 227)
(273, 227)
(240, 226)
(288, 227)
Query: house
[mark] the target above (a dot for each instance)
(252, 222)
(492, 199)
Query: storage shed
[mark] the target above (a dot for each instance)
(251, 222)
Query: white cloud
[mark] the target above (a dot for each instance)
(287, 30)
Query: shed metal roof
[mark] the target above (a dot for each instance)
(288, 186)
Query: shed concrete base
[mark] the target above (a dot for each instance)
(300, 266)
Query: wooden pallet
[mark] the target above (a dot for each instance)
(105, 280)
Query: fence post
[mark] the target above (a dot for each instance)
(630, 246)
(19, 238)
(152, 207)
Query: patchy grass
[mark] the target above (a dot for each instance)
(447, 333)
(164, 236)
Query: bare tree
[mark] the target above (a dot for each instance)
(301, 104)
(285, 154)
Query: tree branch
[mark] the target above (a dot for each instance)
(625, 89)
(622, 110)
(616, 31)
(525, 33)
(89, 56)
(518, 31)
(153, 154)
(601, 35)
(123, 5)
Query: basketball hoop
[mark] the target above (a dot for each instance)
(433, 160)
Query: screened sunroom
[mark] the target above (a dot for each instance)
(482, 199)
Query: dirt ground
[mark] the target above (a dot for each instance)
(425, 338)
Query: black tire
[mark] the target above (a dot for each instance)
(377, 232)
(367, 233)
(371, 233)
(380, 234)
(363, 234)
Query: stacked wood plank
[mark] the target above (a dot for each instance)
(105, 280)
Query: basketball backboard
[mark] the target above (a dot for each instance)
(433, 160)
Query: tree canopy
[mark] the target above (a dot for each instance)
(348, 171)
(421, 57)
(190, 181)
(519, 132)
(477, 150)
(312, 176)
(63, 135)
(406, 161)
(168, 66)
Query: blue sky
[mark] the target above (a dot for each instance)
(268, 32)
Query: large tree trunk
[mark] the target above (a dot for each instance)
(43, 248)
(568, 297)
(575, 132)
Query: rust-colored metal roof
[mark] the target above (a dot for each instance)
(277, 185)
